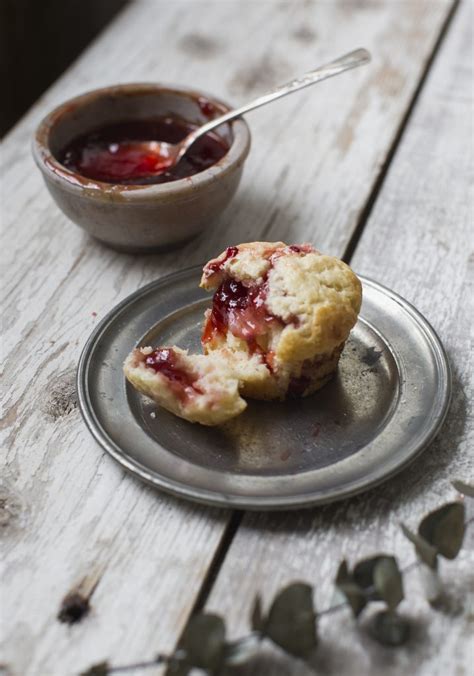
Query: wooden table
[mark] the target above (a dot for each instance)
(383, 179)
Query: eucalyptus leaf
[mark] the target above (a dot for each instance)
(353, 594)
(464, 488)
(100, 669)
(256, 618)
(203, 641)
(291, 621)
(425, 552)
(388, 581)
(363, 575)
(444, 529)
(389, 628)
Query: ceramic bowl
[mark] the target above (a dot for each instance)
(140, 218)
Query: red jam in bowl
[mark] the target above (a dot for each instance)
(108, 154)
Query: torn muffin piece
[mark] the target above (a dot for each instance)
(194, 387)
(290, 306)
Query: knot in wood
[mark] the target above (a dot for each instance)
(61, 399)
(73, 608)
(11, 507)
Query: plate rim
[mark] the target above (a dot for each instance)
(261, 503)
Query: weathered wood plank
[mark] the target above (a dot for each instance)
(71, 517)
(416, 243)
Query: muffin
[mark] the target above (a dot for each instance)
(279, 319)
(192, 387)
(290, 305)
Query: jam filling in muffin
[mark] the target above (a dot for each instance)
(192, 387)
(241, 307)
(165, 361)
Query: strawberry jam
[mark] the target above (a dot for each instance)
(113, 153)
(297, 386)
(241, 310)
(164, 360)
(216, 266)
(208, 109)
(291, 249)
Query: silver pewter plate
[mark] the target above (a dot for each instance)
(384, 406)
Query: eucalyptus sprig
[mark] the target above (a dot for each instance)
(291, 620)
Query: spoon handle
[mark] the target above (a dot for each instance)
(351, 60)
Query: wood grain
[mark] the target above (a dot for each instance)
(69, 516)
(416, 243)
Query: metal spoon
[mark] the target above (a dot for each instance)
(171, 153)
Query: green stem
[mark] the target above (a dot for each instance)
(159, 659)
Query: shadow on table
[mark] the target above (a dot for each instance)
(38, 41)
(422, 475)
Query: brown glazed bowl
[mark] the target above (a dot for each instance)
(140, 218)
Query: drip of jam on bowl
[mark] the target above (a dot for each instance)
(112, 153)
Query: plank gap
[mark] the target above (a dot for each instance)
(217, 561)
(380, 179)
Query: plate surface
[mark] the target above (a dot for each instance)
(386, 403)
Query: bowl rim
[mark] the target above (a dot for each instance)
(77, 184)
